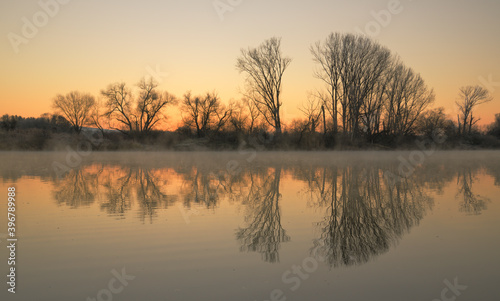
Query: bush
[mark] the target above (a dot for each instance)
(33, 139)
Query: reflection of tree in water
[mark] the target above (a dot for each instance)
(264, 234)
(364, 215)
(471, 203)
(150, 194)
(77, 189)
(117, 192)
(200, 188)
(116, 187)
(493, 169)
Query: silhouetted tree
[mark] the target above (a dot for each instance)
(264, 67)
(407, 97)
(327, 55)
(150, 104)
(312, 112)
(434, 121)
(140, 114)
(367, 87)
(361, 65)
(470, 98)
(8, 122)
(119, 104)
(253, 114)
(204, 113)
(75, 107)
(239, 118)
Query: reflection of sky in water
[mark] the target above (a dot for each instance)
(183, 220)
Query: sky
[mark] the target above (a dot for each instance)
(51, 47)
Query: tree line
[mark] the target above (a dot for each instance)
(368, 94)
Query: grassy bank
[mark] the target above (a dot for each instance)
(52, 140)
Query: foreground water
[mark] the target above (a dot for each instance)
(245, 226)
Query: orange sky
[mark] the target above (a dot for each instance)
(86, 45)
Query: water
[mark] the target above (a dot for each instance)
(244, 226)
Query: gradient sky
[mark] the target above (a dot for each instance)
(89, 44)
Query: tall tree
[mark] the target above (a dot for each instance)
(326, 55)
(367, 86)
(75, 107)
(264, 67)
(407, 97)
(470, 98)
(353, 69)
(363, 64)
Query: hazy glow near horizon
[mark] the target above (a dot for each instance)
(86, 45)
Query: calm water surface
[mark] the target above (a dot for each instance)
(243, 226)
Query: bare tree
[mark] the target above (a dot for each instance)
(75, 107)
(353, 69)
(407, 97)
(363, 65)
(253, 114)
(368, 87)
(204, 113)
(326, 54)
(264, 67)
(141, 114)
(239, 116)
(470, 98)
(150, 104)
(312, 110)
(244, 115)
(119, 104)
(433, 121)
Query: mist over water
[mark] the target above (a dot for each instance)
(242, 225)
